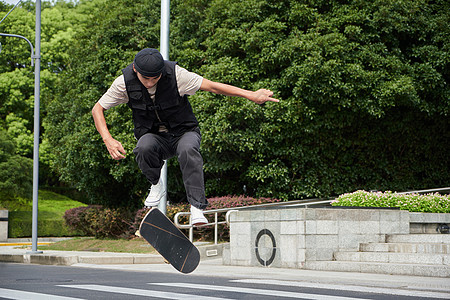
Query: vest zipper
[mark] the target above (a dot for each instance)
(162, 128)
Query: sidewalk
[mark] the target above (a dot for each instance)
(213, 267)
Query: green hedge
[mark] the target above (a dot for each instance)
(20, 225)
(52, 207)
(434, 203)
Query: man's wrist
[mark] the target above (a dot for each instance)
(107, 138)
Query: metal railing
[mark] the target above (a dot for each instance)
(297, 203)
(229, 211)
(445, 190)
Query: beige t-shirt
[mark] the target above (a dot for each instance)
(188, 84)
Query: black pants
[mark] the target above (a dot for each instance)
(152, 149)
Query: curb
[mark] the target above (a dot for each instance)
(68, 258)
(25, 244)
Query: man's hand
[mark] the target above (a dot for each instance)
(262, 96)
(115, 148)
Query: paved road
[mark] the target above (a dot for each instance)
(25, 281)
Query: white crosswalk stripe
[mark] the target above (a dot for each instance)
(139, 292)
(273, 293)
(22, 295)
(352, 288)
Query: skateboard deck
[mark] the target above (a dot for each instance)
(169, 241)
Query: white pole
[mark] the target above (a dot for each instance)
(37, 80)
(164, 34)
(164, 49)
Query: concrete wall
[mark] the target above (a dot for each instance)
(3, 225)
(289, 237)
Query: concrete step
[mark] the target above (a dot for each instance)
(395, 258)
(418, 238)
(430, 248)
(380, 268)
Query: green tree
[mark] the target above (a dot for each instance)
(114, 33)
(363, 101)
(364, 90)
(60, 20)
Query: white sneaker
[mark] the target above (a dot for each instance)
(157, 192)
(197, 216)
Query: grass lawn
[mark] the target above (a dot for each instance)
(51, 206)
(137, 245)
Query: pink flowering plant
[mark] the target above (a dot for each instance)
(237, 201)
(434, 203)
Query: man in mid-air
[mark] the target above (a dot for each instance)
(164, 124)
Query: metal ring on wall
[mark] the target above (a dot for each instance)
(274, 247)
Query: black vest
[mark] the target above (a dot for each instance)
(174, 111)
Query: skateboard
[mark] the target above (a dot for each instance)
(169, 241)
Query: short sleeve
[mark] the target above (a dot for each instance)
(116, 94)
(188, 82)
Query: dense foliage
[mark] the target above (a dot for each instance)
(432, 203)
(364, 89)
(363, 85)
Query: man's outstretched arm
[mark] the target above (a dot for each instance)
(260, 96)
(114, 147)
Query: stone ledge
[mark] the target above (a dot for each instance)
(416, 217)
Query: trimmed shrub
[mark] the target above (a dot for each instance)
(433, 203)
(76, 219)
(100, 222)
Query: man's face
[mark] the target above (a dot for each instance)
(148, 82)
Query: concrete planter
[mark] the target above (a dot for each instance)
(290, 237)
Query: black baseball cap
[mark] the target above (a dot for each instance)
(149, 62)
